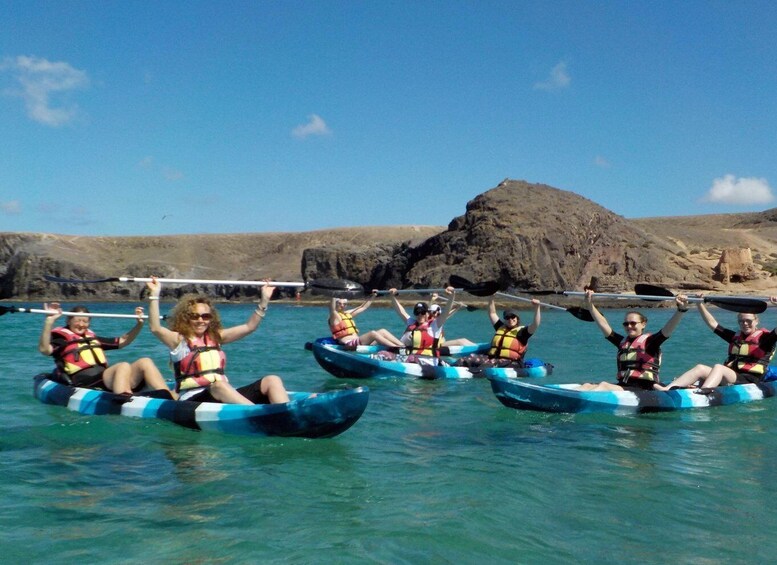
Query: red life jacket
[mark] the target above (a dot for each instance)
(506, 345)
(203, 366)
(746, 356)
(635, 363)
(79, 353)
(419, 339)
(345, 327)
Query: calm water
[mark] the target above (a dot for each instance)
(434, 472)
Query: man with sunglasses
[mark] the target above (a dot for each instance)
(639, 352)
(749, 352)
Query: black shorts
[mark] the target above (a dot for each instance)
(90, 378)
(748, 378)
(637, 384)
(252, 392)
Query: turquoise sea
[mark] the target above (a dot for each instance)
(434, 472)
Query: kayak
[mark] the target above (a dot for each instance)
(347, 362)
(567, 398)
(325, 415)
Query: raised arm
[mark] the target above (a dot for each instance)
(167, 336)
(708, 318)
(398, 308)
(44, 342)
(235, 333)
(130, 336)
(682, 307)
(448, 309)
(492, 311)
(532, 329)
(364, 305)
(601, 321)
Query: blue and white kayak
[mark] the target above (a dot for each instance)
(325, 415)
(342, 361)
(569, 399)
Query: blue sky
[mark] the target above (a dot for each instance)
(154, 118)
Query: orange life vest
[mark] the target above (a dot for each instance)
(506, 345)
(345, 327)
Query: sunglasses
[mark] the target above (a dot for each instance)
(747, 321)
(195, 316)
(630, 324)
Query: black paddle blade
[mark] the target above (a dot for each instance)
(742, 305)
(459, 282)
(581, 313)
(652, 290)
(61, 280)
(487, 288)
(6, 309)
(339, 288)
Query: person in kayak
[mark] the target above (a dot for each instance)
(749, 352)
(435, 311)
(344, 329)
(195, 337)
(510, 340)
(639, 352)
(80, 357)
(421, 330)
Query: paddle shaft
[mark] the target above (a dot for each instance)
(524, 299)
(64, 313)
(628, 296)
(207, 281)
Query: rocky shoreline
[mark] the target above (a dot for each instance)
(527, 236)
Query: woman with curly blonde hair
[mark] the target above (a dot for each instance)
(195, 337)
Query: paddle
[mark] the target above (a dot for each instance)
(576, 311)
(333, 287)
(732, 303)
(482, 289)
(487, 288)
(13, 309)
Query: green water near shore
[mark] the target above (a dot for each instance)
(434, 472)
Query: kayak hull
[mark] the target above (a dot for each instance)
(566, 398)
(345, 363)
(324, 415)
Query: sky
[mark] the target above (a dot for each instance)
(160, 118)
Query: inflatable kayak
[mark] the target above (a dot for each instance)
(325, 415)
(347, 362)
(567, 398)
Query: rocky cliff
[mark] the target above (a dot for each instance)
(529, 236)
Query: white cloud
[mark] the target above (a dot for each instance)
(741, 191)
(601, 162)
(316, 126)
(172, 174)
(558, 79)
(11, 208)
(146, 162)
(38, 79)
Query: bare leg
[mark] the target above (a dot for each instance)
(599, 387)
(688, 378)
(272, 387)
(224, 392)
(117, 378)
(144, 370)
(382, 337)
(718, 374)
